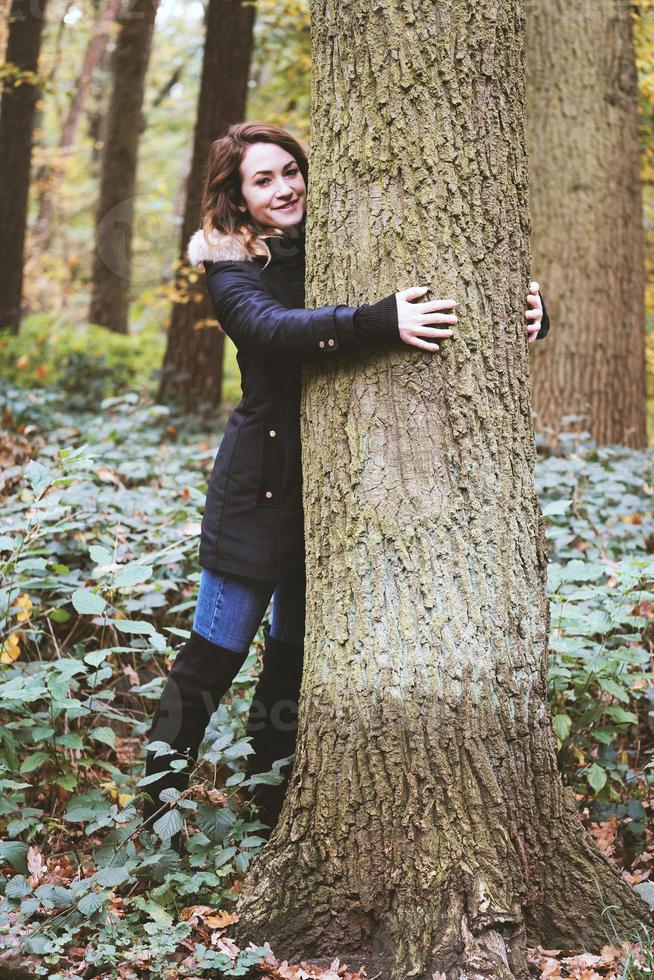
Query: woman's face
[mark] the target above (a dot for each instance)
(272, 186)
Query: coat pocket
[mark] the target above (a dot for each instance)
(247, 458)
(272, 465)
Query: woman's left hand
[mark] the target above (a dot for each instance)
(535, 313)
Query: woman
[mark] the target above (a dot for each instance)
(251, 546)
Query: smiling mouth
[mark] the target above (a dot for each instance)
(287, 207)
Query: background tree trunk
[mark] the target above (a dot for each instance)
(192, 368)
(114, 219)
(19, 96)
(588, 239)
(53, 174)
(426, 827)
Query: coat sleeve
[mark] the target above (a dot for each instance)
(544, 323)
(256, 321)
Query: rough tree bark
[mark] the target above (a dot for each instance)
(114, 217)
(19, 96)
(588, 238)
(192, 368)
(425, 827)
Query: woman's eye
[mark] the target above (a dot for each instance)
(289, 173)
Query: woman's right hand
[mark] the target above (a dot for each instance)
(417, 320)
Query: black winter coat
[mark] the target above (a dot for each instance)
(253, 522)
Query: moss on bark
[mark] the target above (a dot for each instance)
(425, 828)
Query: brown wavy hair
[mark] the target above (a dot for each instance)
(222, 189)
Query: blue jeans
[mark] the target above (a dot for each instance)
(230, 609)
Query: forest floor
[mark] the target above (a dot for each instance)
(98, 576)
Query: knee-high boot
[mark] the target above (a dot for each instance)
(272, 722)
(201, 674)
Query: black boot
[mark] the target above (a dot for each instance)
(201, 674)
(272, 722)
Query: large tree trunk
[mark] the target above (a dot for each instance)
(588, 239)
(192, 368)
(19, 96)
(114, 219)
(426, 827)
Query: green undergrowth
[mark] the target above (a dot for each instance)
(88, 363)
(600, 532)
(98, 558)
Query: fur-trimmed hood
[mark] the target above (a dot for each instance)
(220, 248)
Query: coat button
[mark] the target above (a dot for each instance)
(330, 342)
(268, 494)
(272, 433)
(321, 343)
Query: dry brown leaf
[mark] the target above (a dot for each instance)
(191, 913)
(131, 675)
(216, 797)
(604, 835)
(36, 865)
(116, 906)
(221, 920)
(551, 968)
(108, 476)
(535, 954)
(609, 955)
(332, 973)
(226, 945)
(582, 961)
(635, 877)
(288, 972)
(74, 951)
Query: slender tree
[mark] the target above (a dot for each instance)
(588, 238)
(51, 179)
(192, 368)
(426, 829)
(112, 257)
(20, 92)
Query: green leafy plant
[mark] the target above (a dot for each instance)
(98, 576)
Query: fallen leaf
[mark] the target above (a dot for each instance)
(131, 674)
(221, 920)
(10, 649)
(25, 607)
(193, 912)
(637, 876)
(36, 865)
(551, 968)
(108, 476)
(227, 945)
(581, 961)
(605, 834)
(217, 797)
